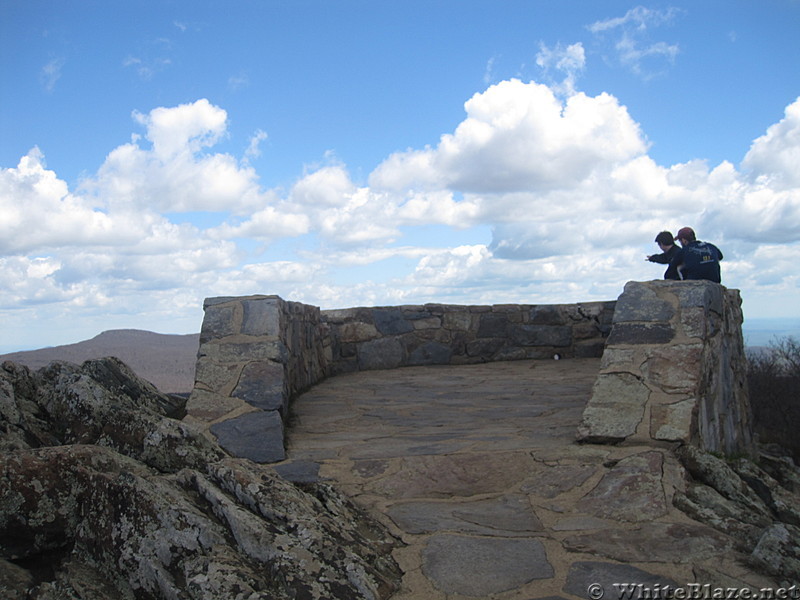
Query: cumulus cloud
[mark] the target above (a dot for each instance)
(176, 174)
(38, 211)
(556, 179)
(519, 136)
(61, 247)
(561, 188)
(775, 156)
(267, 224)
(183, 129)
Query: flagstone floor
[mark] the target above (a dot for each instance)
(476, 470)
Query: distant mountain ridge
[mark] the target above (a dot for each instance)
(165, 360)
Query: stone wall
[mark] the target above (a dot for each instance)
(258, 352)
(673, 370)
(436, 334)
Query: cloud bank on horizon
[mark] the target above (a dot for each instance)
(541, 194)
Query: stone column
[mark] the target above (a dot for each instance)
(673, 370)
(256, 354)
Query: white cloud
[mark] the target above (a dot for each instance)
(326, 187)
(38, 211)
(175, 175)
(753, 212)
(632, 54)
(570, 61)
(146, 68)
(572, 196)
(51, 73)
(519, 136)
(633, 46)
(60, 247)
(439, 207)
(565, 186)
(183, 129)
(238, 82)
(452, 266)
(775, 156)
(365, 218)
(267, 224)
(638, 18)
(488, 74)
(254, 148)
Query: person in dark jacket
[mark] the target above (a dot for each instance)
(695, 259)
(666, 242)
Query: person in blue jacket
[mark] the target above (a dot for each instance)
(695, 259)
(666, 242)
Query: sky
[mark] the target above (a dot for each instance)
(350, 153)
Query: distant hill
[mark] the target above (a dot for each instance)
(167, 361)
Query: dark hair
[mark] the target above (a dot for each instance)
(665, 237)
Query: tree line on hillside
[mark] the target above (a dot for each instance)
(773, 377)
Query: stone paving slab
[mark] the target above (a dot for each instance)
(476, 469)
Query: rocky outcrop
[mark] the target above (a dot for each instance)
(104, 494)
(758, 509)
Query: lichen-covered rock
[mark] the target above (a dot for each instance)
(778, 552)
(705, 504)
(716, 473)
(103, 496)
(102, 402)
(744, 501)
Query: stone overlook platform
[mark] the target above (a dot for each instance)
(476, 470)
(505, 473)
(673, 360)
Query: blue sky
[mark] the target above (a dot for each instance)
(346, 153)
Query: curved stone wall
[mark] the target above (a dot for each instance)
(258, 352)
(672, 371)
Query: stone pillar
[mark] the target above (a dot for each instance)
(673, 370)
(256, 353)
